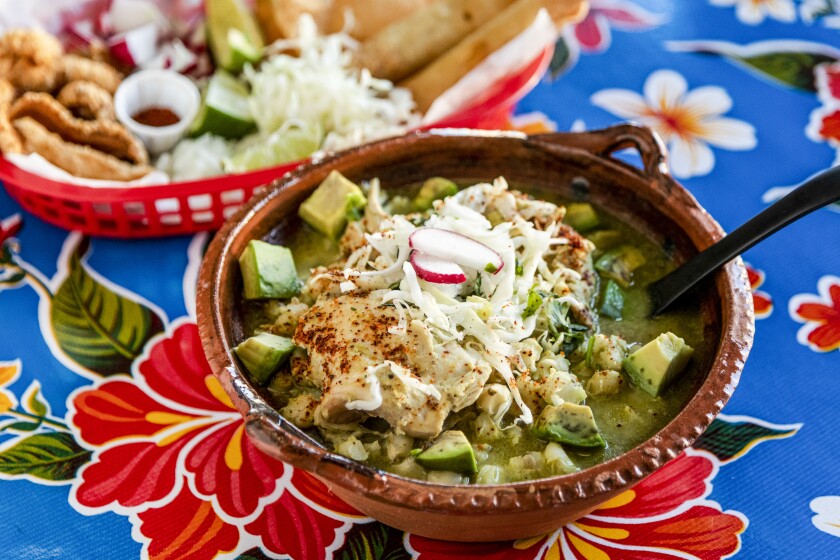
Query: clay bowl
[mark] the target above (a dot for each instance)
(575, 165)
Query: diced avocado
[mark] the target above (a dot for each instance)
(450, 452)
(268, 271)
(612, 302)
(263, 354)
(653, 366)
(328, 208)
(604, 238)
(581, 216)
(433, 189)
(620, 263)
(533, 305)
(570, 424)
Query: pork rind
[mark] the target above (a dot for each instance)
(78, 160)
(108, 137)
(76, 67)
(30, 59)
(87, 100)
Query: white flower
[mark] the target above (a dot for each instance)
(827, 519)
(753, 12)
(687, 121)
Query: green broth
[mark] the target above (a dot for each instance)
(625, 419)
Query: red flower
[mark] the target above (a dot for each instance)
(593, 33)
(664, 517)
(172, 423)
(9, 227)
(173, 414)
(762, 302)
(824, 125)
(821, 315)
(187, 527)
(290, 526)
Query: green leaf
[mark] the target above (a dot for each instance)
(372, 541)
(787, 62)
(562, 60)
(96, 327)
(35, 404)
(51, 456)
(22, 426)
(731, 437)
(795, 69)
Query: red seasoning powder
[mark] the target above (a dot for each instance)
(156, 116)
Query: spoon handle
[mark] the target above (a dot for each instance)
(818, 191)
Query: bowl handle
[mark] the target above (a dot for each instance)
(604, 142)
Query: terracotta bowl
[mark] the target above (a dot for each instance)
(574, 165)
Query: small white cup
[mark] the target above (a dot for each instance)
(157, 88)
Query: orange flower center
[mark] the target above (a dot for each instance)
(678, 121)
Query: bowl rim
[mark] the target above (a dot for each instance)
(275, 435)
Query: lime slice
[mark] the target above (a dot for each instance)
(281, 147)
(224, 109)
(224, 16)
(242, 51)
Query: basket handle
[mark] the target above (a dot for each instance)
(604, 142)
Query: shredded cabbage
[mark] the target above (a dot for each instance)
(315, 101)
(320, 86)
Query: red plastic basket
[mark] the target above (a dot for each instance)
(192, 206)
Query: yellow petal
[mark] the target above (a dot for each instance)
(6, 403)
(8, 372)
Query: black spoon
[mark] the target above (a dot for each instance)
(818, 191)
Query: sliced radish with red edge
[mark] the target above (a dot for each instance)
(135, 47)
(456, 248)
(435, 270)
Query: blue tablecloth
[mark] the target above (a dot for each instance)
(116, 442)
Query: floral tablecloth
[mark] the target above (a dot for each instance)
(117, 442)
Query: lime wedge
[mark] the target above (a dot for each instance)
(280, 147)
(224, 16)
(242, 51)
(224, 109)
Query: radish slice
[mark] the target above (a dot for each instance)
(436, 270)
(456, 248)
(126, 15)
(81, 34)
(135, 47)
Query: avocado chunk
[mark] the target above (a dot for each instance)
(450, 452)
(653, 366)
(581, 216)
(268, 271)
(336, 200)
(570, 424)
(433, 189)
(612, 301)
(620, 263)
(263, 354)
(604, 238)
